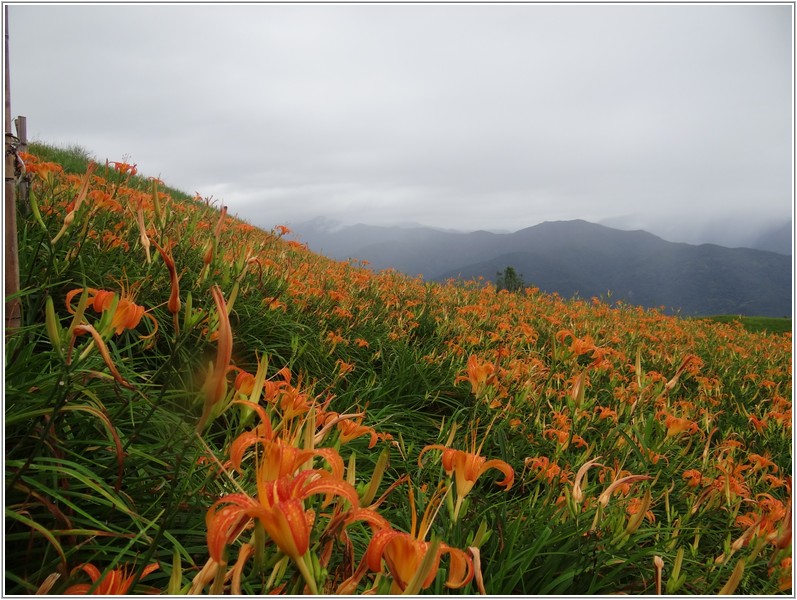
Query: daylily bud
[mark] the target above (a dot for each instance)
(734, 579)
(482, 535)
(216, 385)
(143, 232)
(658, 564)
(376, 478)
(54, 330)
(578, 495)
(636, 519)
(173, 305)
(78, 312)
(84, 188)
(106, 356)
(34, 208)
(176, 580)
(604, 498)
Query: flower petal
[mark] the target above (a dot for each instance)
(286, 524)
(224, 524)
(460, 571)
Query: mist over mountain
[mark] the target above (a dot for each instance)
(777, 239)
(575, 258)
(732, 230)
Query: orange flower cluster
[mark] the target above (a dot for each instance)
(286, 478)
(116, 582)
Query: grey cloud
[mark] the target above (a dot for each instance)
(453, 115)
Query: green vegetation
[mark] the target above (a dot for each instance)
(193, 405)
(74, 159)
(757, 324)
(509, 280)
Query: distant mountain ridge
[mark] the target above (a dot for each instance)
(733, 230)
(576, 258)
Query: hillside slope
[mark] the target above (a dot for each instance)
(193, 405)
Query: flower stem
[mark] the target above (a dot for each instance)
(301, 562)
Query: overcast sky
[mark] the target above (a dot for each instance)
(458, 116)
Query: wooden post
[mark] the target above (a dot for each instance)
(12, 253)
(21, 124)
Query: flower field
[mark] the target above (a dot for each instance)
(196, 406)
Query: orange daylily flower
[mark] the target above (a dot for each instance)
(244, 383)
(693, 477)
(279, 508)
(637, 504)
(127, 315)
(45, 170)
(560, 436)
(403, 554)
(351, 429)
(349, 425)
(480, 374)
(784, 574)
(377, 522)
(344, 368)
(280, 459)
(115, 583)
(775, 482)
(582, 346)
(123, 168)
(547, 470)
(732, 483)
(579, 442)
(676, 425)
(271, 389)
(771, 515)
(759, 424)
(606, 413)
(100, 299)
(760, 462)
(335, 338)
(293, 403)
(467, 467)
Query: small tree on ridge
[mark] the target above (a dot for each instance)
(509, 280)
